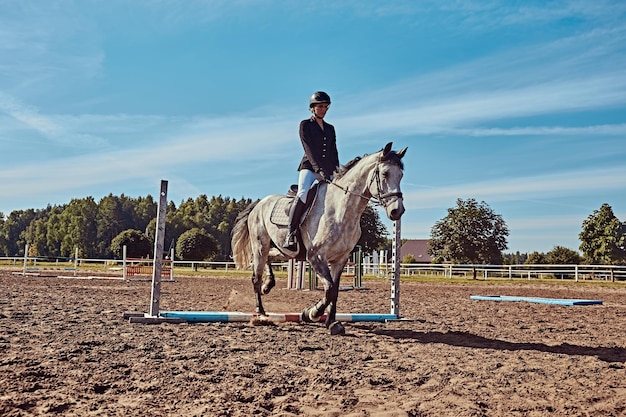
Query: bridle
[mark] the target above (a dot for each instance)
(381, 199)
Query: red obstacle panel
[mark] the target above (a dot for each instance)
(132, 270)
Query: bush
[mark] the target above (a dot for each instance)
(137, 244)
(409, 259)
(196, 245)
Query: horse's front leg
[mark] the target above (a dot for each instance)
(315, 313)
(331, 292)
(335, 326)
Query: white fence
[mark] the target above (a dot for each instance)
(538, 271)
(383, 269)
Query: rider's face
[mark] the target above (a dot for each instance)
(319, 110)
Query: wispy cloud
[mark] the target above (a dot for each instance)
(50, 129)
(522, 188)
(603, 130)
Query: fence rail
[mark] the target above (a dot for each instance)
(528, 272)
(537, 271)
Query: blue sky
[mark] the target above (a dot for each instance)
(521, 104)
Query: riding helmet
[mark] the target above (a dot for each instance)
(319, 97)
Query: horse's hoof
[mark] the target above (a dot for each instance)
(266, 288)
(307, 317)
(337, 329)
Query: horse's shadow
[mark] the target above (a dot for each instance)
(465, 339)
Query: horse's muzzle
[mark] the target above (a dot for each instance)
(395, 210)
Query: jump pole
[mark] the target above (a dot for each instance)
(233, 317)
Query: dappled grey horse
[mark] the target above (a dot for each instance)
(328, 233)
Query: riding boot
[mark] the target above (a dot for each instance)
(295, 212)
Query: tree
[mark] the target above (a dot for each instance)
(14, 225)
(560, 255)
(373, 231)
(196, 245)
(516, 258)
(137, 244)
(536, 258)
(470, 233)
(602, 238)
(78, 223)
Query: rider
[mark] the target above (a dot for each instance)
(319, 162)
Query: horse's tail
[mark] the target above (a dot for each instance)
(240, 242)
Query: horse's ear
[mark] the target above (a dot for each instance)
(386, 151)
(402, 152)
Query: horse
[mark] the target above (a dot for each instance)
(329, 230)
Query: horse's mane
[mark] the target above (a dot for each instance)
(392, 157)
(345, 168)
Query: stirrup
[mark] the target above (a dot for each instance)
(290, 241)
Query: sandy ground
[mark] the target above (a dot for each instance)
(66, 350)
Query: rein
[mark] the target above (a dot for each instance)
(381, 198)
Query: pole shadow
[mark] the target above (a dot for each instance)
(465, 339)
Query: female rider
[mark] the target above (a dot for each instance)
(319, 162)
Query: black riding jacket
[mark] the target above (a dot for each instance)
(320, 147)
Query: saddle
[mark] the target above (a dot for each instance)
(280, 212)
(280, 217)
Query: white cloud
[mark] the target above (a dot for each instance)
(522, 188)
(45, 125)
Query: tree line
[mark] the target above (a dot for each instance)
(200, 229)
(197, 229)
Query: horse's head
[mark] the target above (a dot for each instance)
(385, 181)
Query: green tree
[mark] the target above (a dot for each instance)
(536, 258)
(36, 235)
(560, 255)
(77, 224)
(196, 245)
(602, 238)
(137, 244)
(516, 258)
(373, 231)
(12, 231)
(145, 209)
(470, 233)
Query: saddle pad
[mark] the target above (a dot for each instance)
(280, 212)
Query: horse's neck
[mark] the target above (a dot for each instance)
(352, 191)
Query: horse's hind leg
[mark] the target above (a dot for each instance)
(258, 266)
(270, 281)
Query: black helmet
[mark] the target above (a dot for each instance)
(319, 97)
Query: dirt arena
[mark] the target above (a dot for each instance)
(66, 350)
